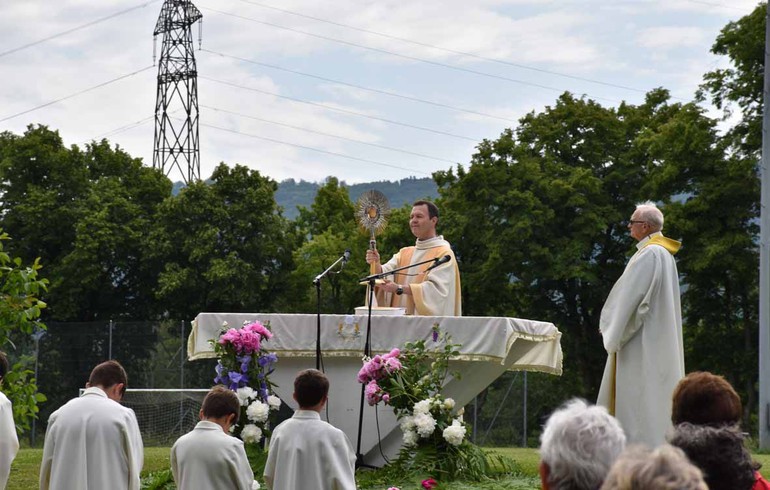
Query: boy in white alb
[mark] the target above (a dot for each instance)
(208, 457)
(306, 452)
(93, 442)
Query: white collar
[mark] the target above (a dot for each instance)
(95, 390)
(646, 239)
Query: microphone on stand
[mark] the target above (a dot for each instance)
(439, 261)
(345, 258)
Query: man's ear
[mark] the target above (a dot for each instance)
(544, 472)
(294, 395)
(200, 414)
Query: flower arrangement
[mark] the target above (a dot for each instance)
(244, 366)
(410, 380)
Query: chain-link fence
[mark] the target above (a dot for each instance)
(508, 413)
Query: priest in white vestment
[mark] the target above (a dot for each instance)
(208, 457)
(9, 441)
(93, 442)
(305, 451)
(434, 292)
(641, 326)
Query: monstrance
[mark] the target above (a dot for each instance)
(373, 209)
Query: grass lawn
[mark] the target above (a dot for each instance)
(26, 467)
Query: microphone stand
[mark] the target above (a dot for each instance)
(371, 279)
(317, 283)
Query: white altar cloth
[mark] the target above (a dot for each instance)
(490, 346)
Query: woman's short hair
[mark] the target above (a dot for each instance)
(221, 402)
(705, 398)
(579, 443)
(665, 468)
(719, 452)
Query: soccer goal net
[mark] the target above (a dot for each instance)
(164, 414)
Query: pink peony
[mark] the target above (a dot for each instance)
(429, 483)
(373, 392)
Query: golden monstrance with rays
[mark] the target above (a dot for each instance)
(372, 212)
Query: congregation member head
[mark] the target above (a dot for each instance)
(706, 399)
(719, 452)
(664, 468)
(3, 365)
(579, 444)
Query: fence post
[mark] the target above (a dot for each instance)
(109, 349)
(36, 336)
(182, 352)
(475, 416)
(524, 433)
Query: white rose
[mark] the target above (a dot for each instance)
(244, 394)
(454, 434)
(274, 402)
(258, 411)
(410, 438)
(425, 424)
(251, 434)
(422, 406)
(449, 404)
(407, 423)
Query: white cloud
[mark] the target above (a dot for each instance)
(672, 37)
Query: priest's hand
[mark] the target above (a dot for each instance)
(372, 256)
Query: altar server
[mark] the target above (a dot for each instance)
(93, 442)
(9, 442)
(208, 457)
(641, 325)
(306, 452)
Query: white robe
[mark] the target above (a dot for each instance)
(306, 452)
(641, 325)
(206, 458)
(92, 443)
(9, 441)
(438, 294)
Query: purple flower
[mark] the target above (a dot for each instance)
(245, 361)
(265, 361)
(236, 379)
(221, 377)
(435, 335)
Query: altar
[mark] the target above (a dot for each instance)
(490, 346)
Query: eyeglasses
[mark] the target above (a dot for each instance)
(632, 221)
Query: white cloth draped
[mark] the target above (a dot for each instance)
(490, 346)
(9, 441)
(206, 458)
(306, 452)
(92, 443)
(641, 325)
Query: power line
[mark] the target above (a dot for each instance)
(299, 128)
(74, 29)
(341, 155)
(76, 93)
(121, 129)
(361, 87)
(412, 58)
(722, 5)
(449, 50)
(337, 109)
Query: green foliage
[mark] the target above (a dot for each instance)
(159, 480)
(223, 246)
(743, 41)
(19, 385)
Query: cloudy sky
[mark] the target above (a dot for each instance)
(362, 90)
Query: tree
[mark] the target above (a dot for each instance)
(743, 42)
(20, 308)
(537, 219)
(222, 246)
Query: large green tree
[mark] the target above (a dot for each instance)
(222, 246)
(537, 219)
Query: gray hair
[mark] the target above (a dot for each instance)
(579, 443)
(650, 213)
(719, 452)
(665, 468)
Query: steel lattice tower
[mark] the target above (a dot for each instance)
(176, 140)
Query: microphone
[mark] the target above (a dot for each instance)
(439, 261)
(345, 258)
